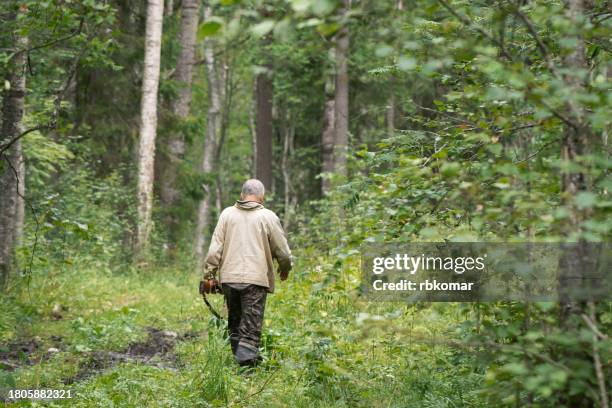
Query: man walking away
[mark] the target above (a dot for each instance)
(246, 239)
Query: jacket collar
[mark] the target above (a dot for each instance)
(248, 205)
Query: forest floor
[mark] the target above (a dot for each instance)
(146, 339)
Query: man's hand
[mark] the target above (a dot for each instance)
(284, 275)
(209, 272)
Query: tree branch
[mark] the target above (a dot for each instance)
(454, 118)
(601, 379)
(4, 147)
(531, 156)
(593, 327)
(56, 103)
(74, 33)
(541, 46)
(469, 23)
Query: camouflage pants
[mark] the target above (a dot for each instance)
(246, 304)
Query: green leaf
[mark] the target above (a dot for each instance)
(585, 199)
(327, 30)
(518, 369)
(450, 169)
(322, 7)
(300, 6)
(383, 50)
(209, 28)
(406, 63)
(495, 148)
(263, 28)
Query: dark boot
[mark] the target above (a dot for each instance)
(246, 354)
(234, 344)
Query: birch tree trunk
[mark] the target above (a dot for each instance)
(13, 172)
(169, 193)
(213, 126)
(148, 124)
(327, 138)
(341, 99)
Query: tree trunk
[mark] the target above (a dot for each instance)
(169, 8)
(264, 92)
(218, 193)
(11, 178)
(213, 126)
(341, 99)
(288, 137)
(574, 144)
(576, 137)
(253, 130)
(390, 114)
(148, 124)
(169, 193)
(227, 98)
(20, 209)
(327, 138)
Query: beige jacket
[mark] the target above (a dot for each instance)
(246, 239)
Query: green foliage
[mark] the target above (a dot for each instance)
(482, 100)
(78, 224)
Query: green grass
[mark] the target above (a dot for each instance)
(323, 344)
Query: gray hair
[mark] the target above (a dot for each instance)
(253, 187)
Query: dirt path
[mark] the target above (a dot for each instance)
(156, 350)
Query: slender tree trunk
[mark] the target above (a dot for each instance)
(577, 134)
(327, 138)
(253, 130)
(227, 97)
(148, 124)
(11, 162)
(576, 143)
(169, 8)
(342, 96)
(213, 126)
(288, 137)
(20, 209)
(576, 137)
(169, 193)
(264, 92)
(390, 114)
(218, 194)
